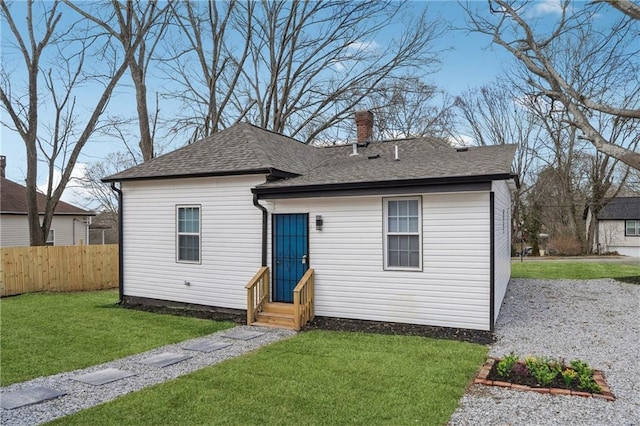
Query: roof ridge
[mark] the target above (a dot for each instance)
(254, 145)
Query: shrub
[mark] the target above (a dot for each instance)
(566, 245)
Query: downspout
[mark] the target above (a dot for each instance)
(264, 228)
(120, 245)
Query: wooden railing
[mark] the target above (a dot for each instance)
(303, 301)
(257, 293)
(58, 268)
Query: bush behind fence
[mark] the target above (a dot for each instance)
(58, 268)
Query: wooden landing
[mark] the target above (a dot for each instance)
(276, 314)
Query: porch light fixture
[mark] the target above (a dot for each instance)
(319, 223)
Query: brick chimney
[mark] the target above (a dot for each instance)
(3, 165)
(364, 123)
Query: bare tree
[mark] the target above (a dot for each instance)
(296, 68)
(498, 115)
(53, 62)
(409, 107)
(133, 23)
(99, 191)
(609, 64)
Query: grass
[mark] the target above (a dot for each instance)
(48, 333)
(572, 270)
(316, 377)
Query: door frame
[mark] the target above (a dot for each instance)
(273, 248)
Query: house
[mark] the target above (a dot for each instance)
(70, 224)
(407, 231)
(617, 227)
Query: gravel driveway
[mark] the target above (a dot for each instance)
(597, 321)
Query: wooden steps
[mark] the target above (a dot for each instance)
(275, 314)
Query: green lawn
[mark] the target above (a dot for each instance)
(553, 269)
(316, 377)
(48, 333)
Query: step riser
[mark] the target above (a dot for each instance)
(278, 309)
(275, 320)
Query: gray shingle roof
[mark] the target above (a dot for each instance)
(244, 148)
(418, 158)
(621, 208)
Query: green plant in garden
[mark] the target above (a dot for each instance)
(541, 370)
(568, 375)
(505, 365)
(545, 370)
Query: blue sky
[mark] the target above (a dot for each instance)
(469, 61)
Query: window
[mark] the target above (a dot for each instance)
(188, 230)
(51, 238)
(632, 228)
(402, 229)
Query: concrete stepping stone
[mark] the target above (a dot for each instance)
(165, 359)
(205, 346)
(242, 334)
(28, 396)
(101, 377)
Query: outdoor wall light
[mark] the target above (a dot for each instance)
(319, 222)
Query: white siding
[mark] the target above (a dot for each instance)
(231, 229)
(14, 230)
(611, 236)
(502, 241)
(452, 290)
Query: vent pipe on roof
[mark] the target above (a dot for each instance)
(396, 158)
(355, 149)
(3, 165)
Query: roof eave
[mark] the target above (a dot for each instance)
(399, 183)
(262, 171)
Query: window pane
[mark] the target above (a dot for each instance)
(413, 224)
(414, 243)
(402, 208)
(404, 258)
(393, 208)
(414, 259)
(413, 208)
(403, 224)
(189, 247)
(393, 242)
(393, 224)
(404, 242)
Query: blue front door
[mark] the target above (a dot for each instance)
(290, 253)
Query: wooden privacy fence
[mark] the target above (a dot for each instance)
(58, 268)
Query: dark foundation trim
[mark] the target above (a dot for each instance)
(238, 316)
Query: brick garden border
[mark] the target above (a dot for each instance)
(598, 376)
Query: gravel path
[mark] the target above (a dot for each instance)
(80, 395)
(597, 321)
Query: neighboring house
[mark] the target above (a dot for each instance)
(104, 228)
(408, 231)
(617, 227)
(70, 224)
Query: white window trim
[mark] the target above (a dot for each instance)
(52, 232)
(199, 234)
(385, 233)
(637, 228)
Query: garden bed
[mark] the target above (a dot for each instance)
(524, 381)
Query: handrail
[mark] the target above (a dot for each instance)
(257, 293)
(303, 300)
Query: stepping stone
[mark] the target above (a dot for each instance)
(206, 346)
(103, 376)
(165, 359)
(28, 396)
(242, 334)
